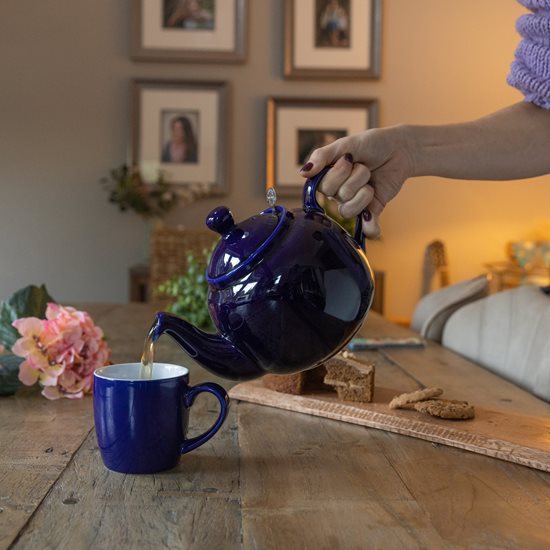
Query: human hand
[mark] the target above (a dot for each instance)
(369, 170)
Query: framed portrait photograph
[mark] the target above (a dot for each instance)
(297, 126)
(180, 128)
(189, 30)
(332, 38)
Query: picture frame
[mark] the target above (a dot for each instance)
(211, 31)
(296, 126)
(180, 128)
(336, 39)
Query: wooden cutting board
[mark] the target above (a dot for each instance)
(516, 438)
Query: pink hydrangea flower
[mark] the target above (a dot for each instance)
(61, 352)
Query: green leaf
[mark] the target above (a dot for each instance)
(30, 301)
(190, 291)
(9, 374)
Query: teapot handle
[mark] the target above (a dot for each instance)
(311, 204)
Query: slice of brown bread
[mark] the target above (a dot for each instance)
(354, 381)
(298, 383)
(286, 383)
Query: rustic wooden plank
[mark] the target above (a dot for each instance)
(37, 439)
(303, 478)
(308, 482)
(521, 439)
(98, 311)
(377, 326)
(331, 524)
(313, 483)
(195, 505)
(463, 379)
(437, 366)
(388, 374)
(473, 501)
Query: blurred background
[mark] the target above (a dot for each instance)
(64, 123)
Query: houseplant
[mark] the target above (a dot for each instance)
(189, 291)
(129, 191)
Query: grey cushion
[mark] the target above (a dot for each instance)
(433, 310)
(508, 333)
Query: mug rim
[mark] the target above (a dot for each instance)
(102, 375)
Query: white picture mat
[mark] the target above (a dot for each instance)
(290, 119)
(152, 104)
(307, 56)
(222, 38)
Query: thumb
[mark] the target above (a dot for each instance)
(371, 226)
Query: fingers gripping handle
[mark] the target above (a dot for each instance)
(311, 204)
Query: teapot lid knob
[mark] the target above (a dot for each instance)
(220, 220)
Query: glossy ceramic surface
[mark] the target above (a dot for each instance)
(284, 298)
(141, 425)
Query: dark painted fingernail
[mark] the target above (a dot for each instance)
(367, 216)
(349, 157)
(306, 167)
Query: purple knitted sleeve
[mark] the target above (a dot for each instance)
(530, 71)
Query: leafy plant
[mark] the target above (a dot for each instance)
(129, 191)
(30, 301)
(9, 374)
(190, 291)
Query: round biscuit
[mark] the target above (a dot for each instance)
(414, 397)
(445, 408)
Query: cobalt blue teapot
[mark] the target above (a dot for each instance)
(287, 290)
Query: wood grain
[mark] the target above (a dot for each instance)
(308, 482)
(37, 439)
(270, 478)
(311, 482)
(462, 379)
(472, 501)
(521, 439)
(195, 505)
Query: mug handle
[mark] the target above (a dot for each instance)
(189, 397)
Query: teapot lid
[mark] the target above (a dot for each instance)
(241, 244)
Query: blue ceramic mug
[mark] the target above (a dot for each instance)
(141, 424)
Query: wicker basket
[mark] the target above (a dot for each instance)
(169, 249)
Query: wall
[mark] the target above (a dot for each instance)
(64, 109)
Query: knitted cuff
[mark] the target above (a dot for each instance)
(530, 72)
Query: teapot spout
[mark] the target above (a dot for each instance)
(212, 351)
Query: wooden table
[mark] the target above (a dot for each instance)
(270, 479)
